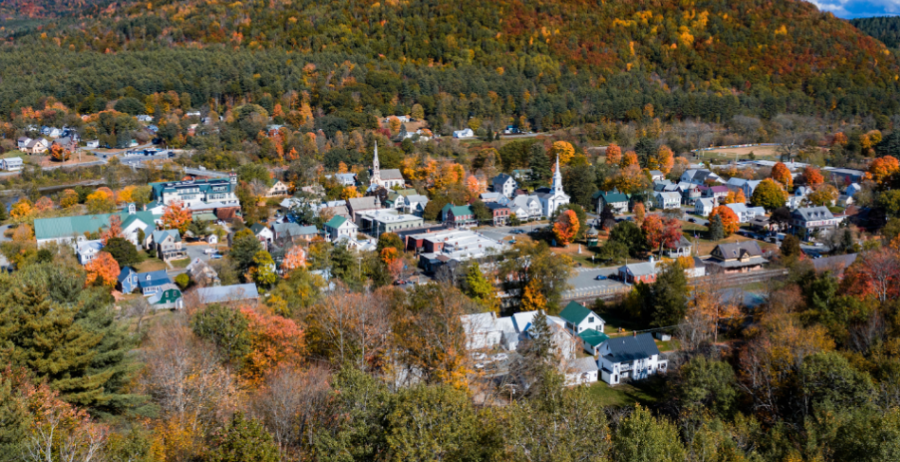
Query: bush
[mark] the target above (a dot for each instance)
(183, 280)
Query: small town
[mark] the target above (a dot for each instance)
(286, 231)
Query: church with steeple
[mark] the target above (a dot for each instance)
(387, 179)
(554, 197)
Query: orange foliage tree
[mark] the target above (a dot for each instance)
(43, 204)
(874, 273)
(59, 153)
(812, 176)
(630, 158)
(274, 341)
(566, 227)
(613, 154)
(730, 222)
(176, 217)
(665, 159)
(781, 174)
(739, 197)
(564, 150)
(661, 232)
(295, 258)
(391, 259)
(473, 186)
(532, 297)
(21, 209)
(639, 213)
(102, 270)
(883, 167)
(627, 180)
(114, 230)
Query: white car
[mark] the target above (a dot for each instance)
(209, 251)
(479, 366)
(479, 356)
(500, 357)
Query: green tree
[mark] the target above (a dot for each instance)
(578, 183)
(226, 328)
(790, 247)
(244, 247)
(889, 201)
(243, 440)
(707, 384)
(769, 194)
(716, 229)
(667, 304)
(645, 149)
(827, 378)
(644, 438)
(264, 269)
(122, 251)
(480, 289)
(389, 240)
(539, 163)
(482, 213)
(630, 235)
(356, 429)
(183, 280)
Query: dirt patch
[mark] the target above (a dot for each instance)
(47, 161)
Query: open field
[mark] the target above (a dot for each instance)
(626, 394)
(741, 153)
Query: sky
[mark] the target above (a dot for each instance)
(859, 8)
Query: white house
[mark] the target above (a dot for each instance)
(656, 175)
(464, 133)
(339, 227)
(144, 118)
(12, 164)
(617, 201)
(280, 188)
(486, 330)
(579, 319)
(635, 358)
(525, 207)
(92, 144)
(504, 184)
(744, 213)
(667, 200)
(555, 197)
(414, 204)
(581, 371)
(565, 344)
(700, 176)
(87, 250)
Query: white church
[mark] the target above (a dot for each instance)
(386, 179)
(554, 197)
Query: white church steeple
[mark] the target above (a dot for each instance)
(376, 168)
(556, 187)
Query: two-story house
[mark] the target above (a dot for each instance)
(263, 233)
(168, 297)
(278, 189)
(504, 184)
(499, 212)
(714, 192)
(339, 227)
(617, 201)
(151, 282)
(667, 200)
(87, 250)
(630, 358)
(458, 216)
(736, 257)
(704, 206)
(578, 318)
(525, 207)
(127, 280)
(361, 204)
(808, 222)
(168, 245)
(744, 213)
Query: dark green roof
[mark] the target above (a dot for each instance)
(574, 312)
(336, 222)
(54, 228)
(611, 196)
(458, 209)
(593, 337)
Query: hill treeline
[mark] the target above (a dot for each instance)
(548, 64)
(884, 28)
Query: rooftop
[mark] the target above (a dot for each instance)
(623, 349)
(232, 293)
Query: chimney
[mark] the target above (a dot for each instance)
(634, 333)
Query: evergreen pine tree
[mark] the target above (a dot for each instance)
(716, 229)
(3, 213)
(539, 164)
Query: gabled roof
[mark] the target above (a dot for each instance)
(814, 213)
(234, 292)
(735, 249)
(391, 174)
(53, 228)
(336, 222)
(623, 349)
(593, 337)
(501, 178)
(640, 269)
(363, 203)
(258, 228)
(580, 365)
(613, 196)
(161, 235)
(719, 189)
(575, 312)
(153, 278)
(458, 209)
(292, 229)
(126, 271)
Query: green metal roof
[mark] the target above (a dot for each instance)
(54, 228)
(458, 209)
(202, 185)
(574, 312)
(611, 196)
(336, 222)
(593, 338)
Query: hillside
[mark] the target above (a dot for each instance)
(556, 63)
(885, 28)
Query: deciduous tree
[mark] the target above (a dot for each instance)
(564, 150)
(730, 222)
(566, 227)
(883, 167)
(781, 174)
(102, 270)
(769, 194)
(661, 232)
(294, 259)
(176, 216)
(613, 155)
(812, 176)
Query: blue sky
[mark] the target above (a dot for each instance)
(859, 8)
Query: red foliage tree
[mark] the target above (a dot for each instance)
(661, 232)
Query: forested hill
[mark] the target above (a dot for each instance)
(560, 61)
(885, 28)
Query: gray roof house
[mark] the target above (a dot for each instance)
(635, 357)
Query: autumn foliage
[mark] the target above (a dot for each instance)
(613, 154)
(566, 227)
(813, 176)
(114, 229)
(274, 341)
(730, 222)
(295, 258)
(781, 174)
(176, 217)
(661, 232)
(883, 167)
(102, 270)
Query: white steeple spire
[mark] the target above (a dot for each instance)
(376, 168)
(557, 187)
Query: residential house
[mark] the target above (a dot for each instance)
(216, 196)
(51, 132)
(36, 146)
(581, 371)
(87, 250)
(414, 204)
(739, 184)
(394, 199)
(278, 189)
(263, 233)
(64, 230)
(345, 179)
(525, 207)
(700, 177)
(656, 175)
(92, 144)
(168, 297)
(151, 282)
(486, 330)
(12, 164)
(554, 197)
(715, 192)
(578, 318)
(704, 207)
(203, 274)
(808, 222)
(523, 174)
(66, 143)
(843, 176)
(292, 232)
(127, 280)
(690, 193)
(488, 197)
(224, 294)
(682, 248)
(504, 184)
(168, 245)
(361, 204)
(340, 227)
(853, 189)
(591, 340)
(667, 200)
(458, 216)
(736, 257)
(144, 118)
(499, 212)
(745, 214)
(617, 201)
(565, 344)
(635, 358)
(22, 142)
(633, 273)
(464, 133)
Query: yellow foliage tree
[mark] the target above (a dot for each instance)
(21, 209)
(532, 298)
(564, 150)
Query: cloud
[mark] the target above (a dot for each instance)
(859, 8)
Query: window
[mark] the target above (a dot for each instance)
(591, 320)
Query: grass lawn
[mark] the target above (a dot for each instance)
(150, 264)
(626, 394)
(13, 153)
(181, 263)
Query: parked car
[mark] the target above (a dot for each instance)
(601, 277)
(692, 220)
